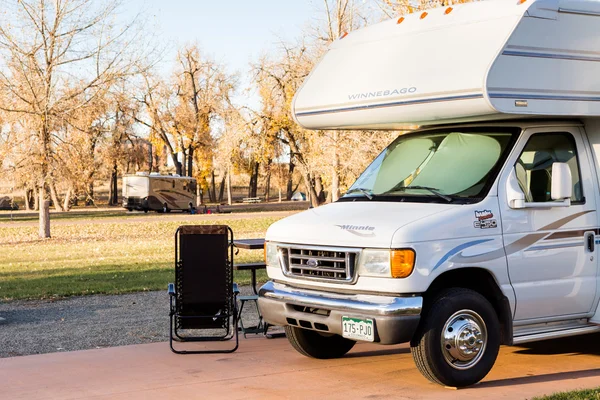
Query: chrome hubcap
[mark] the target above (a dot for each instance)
(464, 339)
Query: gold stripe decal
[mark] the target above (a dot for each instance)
(518, 245)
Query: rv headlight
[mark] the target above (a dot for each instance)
(271, 255)
(374, 263)
(386, 263)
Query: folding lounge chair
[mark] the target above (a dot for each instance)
(203, 298)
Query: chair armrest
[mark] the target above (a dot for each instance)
(171, 289)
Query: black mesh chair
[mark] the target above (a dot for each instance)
(203, 298)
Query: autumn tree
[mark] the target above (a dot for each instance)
(278, 78)
(159, 102)
(55, 52)
(341, 17)
(203, 90)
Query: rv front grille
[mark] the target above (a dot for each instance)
(330, 264)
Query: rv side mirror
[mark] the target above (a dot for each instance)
(514, 194)
(562, 182)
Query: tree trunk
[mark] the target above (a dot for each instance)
(253, 186)
(228, 187)
(113, 197)
(44, 230)
(150, 158)
(28, 193)
(36, 199)
(212, 193)
(176, 163)
(89, 201)
(290, 183)
(199, 196)
(156, 164)
(296, 153)
(55, 199)
(280, 194)
(319, 189)
(310, 188)
(335, 174)
(183, 161)
(190, 160)
(67, 203)
(221, 190)
(268, 182)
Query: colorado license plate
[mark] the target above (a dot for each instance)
(358, 329)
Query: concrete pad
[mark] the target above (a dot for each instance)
(270, 368)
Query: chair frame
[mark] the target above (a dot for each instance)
(230, 329)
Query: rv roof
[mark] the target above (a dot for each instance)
(157, 175)
(486, 60)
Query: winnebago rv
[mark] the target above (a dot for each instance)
(479, 229)
(161, 193)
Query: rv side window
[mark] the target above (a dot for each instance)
(534, 167)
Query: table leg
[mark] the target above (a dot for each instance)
(254, 281)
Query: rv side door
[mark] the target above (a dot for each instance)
(550, 246)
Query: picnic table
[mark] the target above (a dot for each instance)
(251, 200)
(250, 244)
(254, 244)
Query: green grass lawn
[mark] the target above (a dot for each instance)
(102, 258)
(591, 394)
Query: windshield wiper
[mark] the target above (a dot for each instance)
(430, 189)
(366, 192)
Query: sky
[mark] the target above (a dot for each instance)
(233, 32)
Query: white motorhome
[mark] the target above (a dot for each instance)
(479, 229)
(156, 192)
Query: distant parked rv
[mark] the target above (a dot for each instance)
(161, 193)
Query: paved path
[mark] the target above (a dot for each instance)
(271, 369)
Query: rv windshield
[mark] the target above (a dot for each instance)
(441, 166)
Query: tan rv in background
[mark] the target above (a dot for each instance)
(161, 193)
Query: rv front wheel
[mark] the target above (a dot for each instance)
(316, 344)
(458, 340)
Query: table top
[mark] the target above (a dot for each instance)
(250, 266)
(249, 244)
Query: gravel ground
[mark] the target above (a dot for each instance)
(88, 322)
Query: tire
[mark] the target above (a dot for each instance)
(465, 312)
(317, 345)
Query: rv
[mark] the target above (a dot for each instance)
(162, 193)
(480, 228)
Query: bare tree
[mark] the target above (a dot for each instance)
(203, 91)
(54, 53)
(278, 80)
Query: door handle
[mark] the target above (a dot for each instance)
(590, 239)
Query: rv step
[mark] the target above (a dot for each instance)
(555, 334)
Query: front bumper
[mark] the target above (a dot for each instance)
(395, 318)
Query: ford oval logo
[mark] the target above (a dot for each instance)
(311, 262)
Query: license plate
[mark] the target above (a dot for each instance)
(358, 329)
